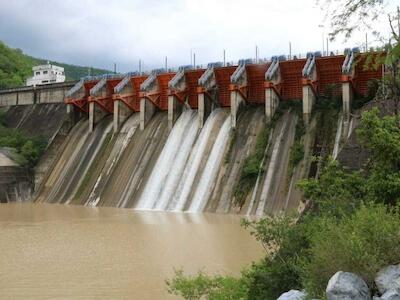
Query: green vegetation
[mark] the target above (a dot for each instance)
(372, 89)
(252, 166)
(351, 224)
(362, 243)
(26, 150)
(16, 67)
(352, 218)
(296, 154)
(297, 150)
(202, 285)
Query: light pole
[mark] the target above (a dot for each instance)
(256, 54)
(323, 38)
(224, 58)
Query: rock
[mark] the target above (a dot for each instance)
(347, 286)
(376, 298)
(391, 295)
(388, 279)
(293, 295)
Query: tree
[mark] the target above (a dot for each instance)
(348, 16)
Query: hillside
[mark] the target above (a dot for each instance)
(16, 67)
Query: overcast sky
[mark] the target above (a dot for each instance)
(100, 32)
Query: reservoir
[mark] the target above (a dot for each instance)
(50, 251)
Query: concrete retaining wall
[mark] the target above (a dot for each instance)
(52, 93)
(16, 184)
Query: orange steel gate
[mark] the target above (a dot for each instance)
(132, 98)
(160, 97)
(223, 81)
(106, 102)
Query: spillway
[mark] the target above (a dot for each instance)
(187, 155)
(170, 162)
(125, 180)
(183, 169)
(210, 171)
(196, 161)
(79, 152)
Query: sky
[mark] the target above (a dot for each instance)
(99, 33)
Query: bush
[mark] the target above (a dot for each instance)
(296, 154)
(27, 149)
(336, 192)
(285, 243)
(360, 243)
(208, 287)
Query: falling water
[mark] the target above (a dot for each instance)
(210, 172)
(179, 164)
(186, 183)
(167, 160)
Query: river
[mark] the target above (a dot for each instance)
(50, 251)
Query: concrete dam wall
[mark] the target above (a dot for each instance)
(222, 139)
(47, 120)
(186, 168)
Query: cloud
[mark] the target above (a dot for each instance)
(99, 32)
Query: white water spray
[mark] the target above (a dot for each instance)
(210, 172)
(191, 169)
(165, 162)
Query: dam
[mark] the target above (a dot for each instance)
(216, 139)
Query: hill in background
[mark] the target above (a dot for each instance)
(16, 67)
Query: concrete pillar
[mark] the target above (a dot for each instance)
(147, 110)
(91, 116)
(174, 110)
(271, 103)
(236, 101)
(70, 109)
(95, 114)
(347, 97)
(73, 116)
(121, 113)
(204, 108)
(309, 99)
(116, 120)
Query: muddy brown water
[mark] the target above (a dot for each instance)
(51, 251)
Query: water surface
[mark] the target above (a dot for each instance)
(50, 251)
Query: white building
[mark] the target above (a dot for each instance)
(46, 74)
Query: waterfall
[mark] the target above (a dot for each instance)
(185, 185)
(167, 160)
(179, 163)
(208, 177)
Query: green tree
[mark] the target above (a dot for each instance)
(348, 16)
(360, 243)
(16, 67)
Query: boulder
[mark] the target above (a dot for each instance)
(293, 295)
(388, 279)
(347, 286)
(391, 295)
